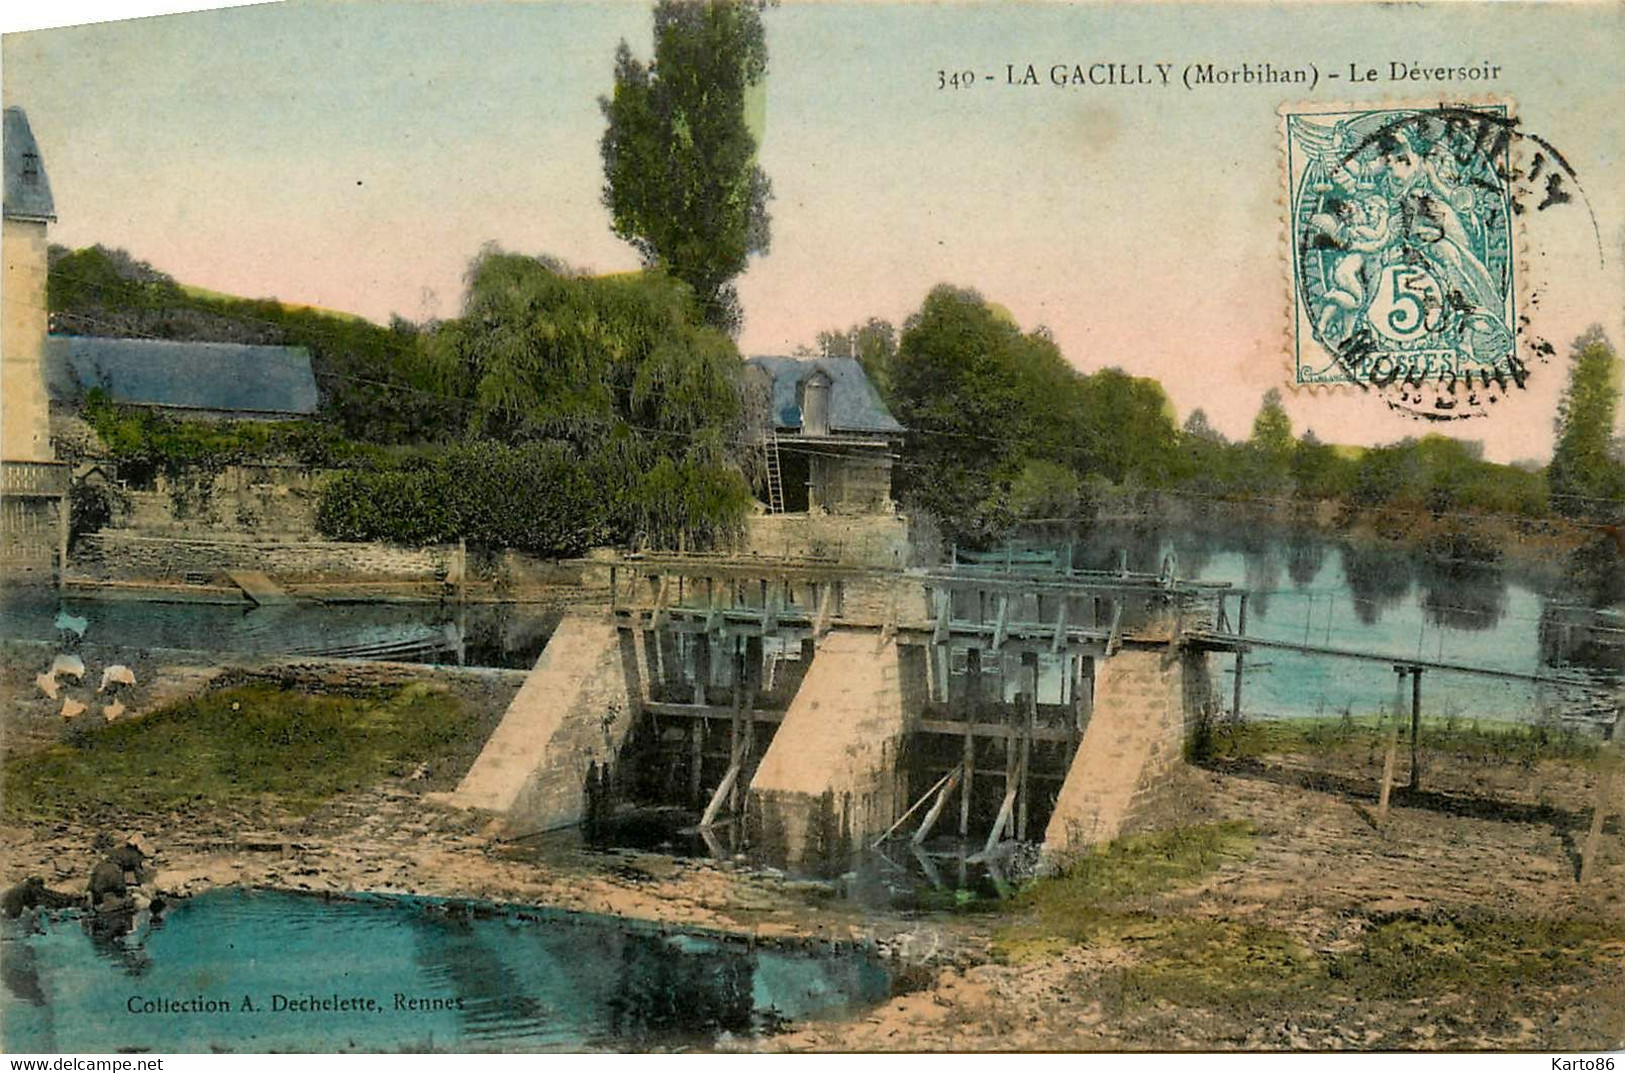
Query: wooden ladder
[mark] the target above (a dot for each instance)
(775, 475)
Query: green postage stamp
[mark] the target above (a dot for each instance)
(1402, 224)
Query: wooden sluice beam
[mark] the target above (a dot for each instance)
(826, 611)
(1000, 731)
(720, 796)
(748, 621)
(939, 784)
(710, 711)
(935, 813)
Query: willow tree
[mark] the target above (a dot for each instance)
(616, 369)
(680, 175)
(543, 352)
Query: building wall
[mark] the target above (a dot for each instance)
(850, 484)
(24, 414)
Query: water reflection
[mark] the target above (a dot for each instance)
(1376, 578)
(1466, 607)
(1462, 595)
(487, 635)
(444, 975)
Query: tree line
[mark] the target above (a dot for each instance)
(1003, 429)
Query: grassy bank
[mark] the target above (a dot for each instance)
(257, 744)
(1478, 740)
(1246, 965)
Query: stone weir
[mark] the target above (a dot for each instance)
(808, 709)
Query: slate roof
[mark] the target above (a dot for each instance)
(28, 191)
(227, 377)
(854, 406)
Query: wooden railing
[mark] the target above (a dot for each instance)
(34, 478)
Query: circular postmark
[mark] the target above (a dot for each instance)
(1407, 276)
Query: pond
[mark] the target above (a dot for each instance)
(246, 970)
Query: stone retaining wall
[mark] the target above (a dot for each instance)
(114, 555)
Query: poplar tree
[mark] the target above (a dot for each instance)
(1585, 479)
(680, 175)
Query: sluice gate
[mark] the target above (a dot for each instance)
(807, 709)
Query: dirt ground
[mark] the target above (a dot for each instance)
(1324, 873)
(1323, 876)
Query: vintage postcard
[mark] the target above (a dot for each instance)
(813, 527)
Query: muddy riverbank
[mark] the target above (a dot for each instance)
(1307, 923)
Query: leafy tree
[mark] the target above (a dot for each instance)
(958, 390)
(873, 343)
(1272, 428)
(1197, 427)
(542, 352)
(1045, 490)
(1127, 426)
(1585, 478)
(1271, 443)
(681, 179)
(1318, 472)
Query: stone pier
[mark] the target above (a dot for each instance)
(1145, 702)
(831, 776)
(573, 712)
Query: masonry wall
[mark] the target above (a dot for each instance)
(564, 730)
(245, 500)
(1145, 705)
(24, 417)
(115, 555)
(831, 779)
(861, 540)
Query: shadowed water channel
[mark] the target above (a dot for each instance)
(486, 978)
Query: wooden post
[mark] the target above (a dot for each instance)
(1029, 721)
(1416, 728)
(1012, 783)
(702, 666)
(972, 704)
(735, 729)
(1241, 631)
(1388, 761)
(696, 760)
(1599, 814)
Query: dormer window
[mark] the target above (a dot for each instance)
(30, 170)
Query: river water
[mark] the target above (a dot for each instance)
(1308, 588)
(1305, 587)
(244, 966)
(489, 635)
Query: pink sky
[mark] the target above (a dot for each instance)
(356, 156)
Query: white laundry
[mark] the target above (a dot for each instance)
(117, 674)
(71, 666)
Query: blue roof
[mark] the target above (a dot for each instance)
(28, 191)
(228, 377)
(854, 406)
